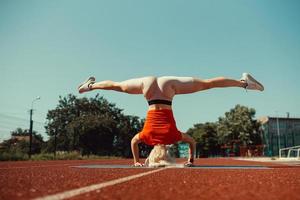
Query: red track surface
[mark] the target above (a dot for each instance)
(27, 180)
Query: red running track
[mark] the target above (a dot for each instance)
(29, 180)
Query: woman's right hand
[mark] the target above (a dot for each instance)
(137, 164)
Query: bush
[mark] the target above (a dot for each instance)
(43, 156)
(59, 156)
(13, 156)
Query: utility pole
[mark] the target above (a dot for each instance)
(30, 133)
(55, 143)
(30, 127)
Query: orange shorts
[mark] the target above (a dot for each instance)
(160, 128)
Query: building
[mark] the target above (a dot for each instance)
(20, 137)
(279, 132)
(183, 149)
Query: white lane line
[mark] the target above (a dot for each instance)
(50, 165)
(35, 166)
(38, 166)
(90, 188)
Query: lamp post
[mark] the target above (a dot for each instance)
(31, 124)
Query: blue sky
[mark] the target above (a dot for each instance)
(48, 47)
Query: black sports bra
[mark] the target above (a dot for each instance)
(159, 101)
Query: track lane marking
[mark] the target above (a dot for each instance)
(37, 166)
(34, 166)
(90, 188)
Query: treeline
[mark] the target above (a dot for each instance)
(94, 126)
(235, 131)
(91, 126)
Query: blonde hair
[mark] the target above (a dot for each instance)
(160, 156)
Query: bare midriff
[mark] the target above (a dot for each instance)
(159, 107)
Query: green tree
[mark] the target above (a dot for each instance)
(92, 126)
(238, 127)
(128, 126)
(75, 117)
(205, 136)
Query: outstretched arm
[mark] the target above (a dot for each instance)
(188, 139)
(135, 150)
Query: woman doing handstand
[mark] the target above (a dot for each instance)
(160, 127)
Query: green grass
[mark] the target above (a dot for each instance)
(17, 156)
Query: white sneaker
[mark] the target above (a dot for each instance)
(252, 84)
(86, 85)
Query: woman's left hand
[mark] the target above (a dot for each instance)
(188, 164)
